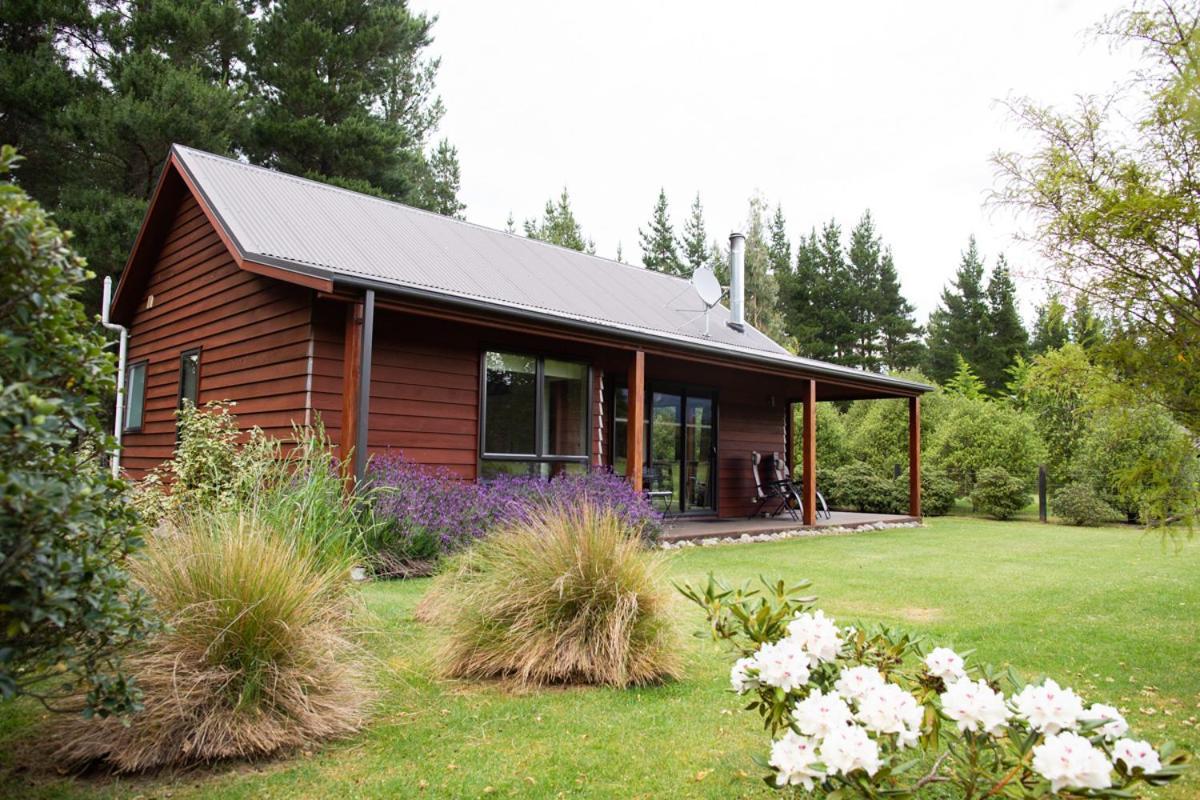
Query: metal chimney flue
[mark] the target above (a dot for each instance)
(737, 281)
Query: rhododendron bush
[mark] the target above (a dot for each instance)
(876, 713)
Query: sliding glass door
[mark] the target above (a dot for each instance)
(681, 446)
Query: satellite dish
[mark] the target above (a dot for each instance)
(707, 286)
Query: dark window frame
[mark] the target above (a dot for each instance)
(183, 357)
(539, 446)
(144, 364)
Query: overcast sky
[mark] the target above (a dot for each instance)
(828, 108)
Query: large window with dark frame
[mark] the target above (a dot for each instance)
(535, 415)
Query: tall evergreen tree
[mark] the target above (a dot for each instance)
(659, 252)
(779, 249)
(958, 326)
(863, 265)
(900, 345)
(1006, 339)
(762, 289)
(693, 243)
(1087, 329)
(799, 288)
(1050, 328)
(559, 226)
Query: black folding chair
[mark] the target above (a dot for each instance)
(783, 475)
(771, 496)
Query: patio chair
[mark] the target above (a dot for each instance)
(771, 496)
(657, 487)
(784, 475)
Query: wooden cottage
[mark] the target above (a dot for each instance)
(463, 347)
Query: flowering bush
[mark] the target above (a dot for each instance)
(844, 705)
(428, 512)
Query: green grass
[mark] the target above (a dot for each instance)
(1112, 612)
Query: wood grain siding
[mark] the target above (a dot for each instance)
(253, 333)
(424, 388)
(744, 426)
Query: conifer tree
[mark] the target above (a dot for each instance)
(799, 291)
(762, 290)
(1006, 339)
(693, 244)
(958, 326)
(779, 249)
(658, 241)
(1087, 329)
(1050, 329)
(965, 383)
(620, 253)
(559, 226)
(900, 345)
(863, 267)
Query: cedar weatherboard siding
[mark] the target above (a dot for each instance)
(253, 334)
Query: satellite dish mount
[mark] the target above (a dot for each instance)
(705, 282)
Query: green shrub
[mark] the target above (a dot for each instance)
(256, 657)
(858, 487)
(568, 595)
(1078, 504)
(66, 529)
(1141, 462)
(998, 494)
(980, 434)
(937, 491)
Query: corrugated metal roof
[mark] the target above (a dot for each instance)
(324, 230)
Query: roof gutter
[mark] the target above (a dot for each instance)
(383, 287)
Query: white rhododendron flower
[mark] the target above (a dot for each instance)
(974, 706)
(889, 709)
(944, 663)
(1069, 760)
(819, 714)
(847, 749)
(817, 634)
(783, 664)
(1049, 708)
(856, 682)
(1114, 725)
(739, 677)
(1137, 755)
(793, 757)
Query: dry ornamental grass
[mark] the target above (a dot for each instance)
(571, 595)
(257, 657)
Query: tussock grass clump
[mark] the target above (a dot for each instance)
(566, 595)
(256, 657)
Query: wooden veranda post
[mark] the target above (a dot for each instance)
(809, 443)
(356, 388)
(914, 456)
(789, 438)
(635, 445)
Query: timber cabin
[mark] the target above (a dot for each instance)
(463, 347)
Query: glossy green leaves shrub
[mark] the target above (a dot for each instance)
(1079, 504)
(998, 493)
(66, 529)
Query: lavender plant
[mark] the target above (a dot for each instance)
(428, 512)
(872, 714)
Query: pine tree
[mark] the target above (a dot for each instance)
(559, 226)
(762, 290)
(832, 302)
(900, 344)
(343, 94)
(863, 264)
(510, 224)
(620, 253)
(1050, 329)
(779, 250)
(1006, 339)
(658, 242)
(798, 291)
(958, 326)
(693, 244)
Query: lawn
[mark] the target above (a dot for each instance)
(1112, 612)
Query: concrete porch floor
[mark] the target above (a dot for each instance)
(682, 529)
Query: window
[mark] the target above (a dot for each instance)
(535, 415)
(189, 377)
(135, 395)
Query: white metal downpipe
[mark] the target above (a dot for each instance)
(119, 422)
(737, 281)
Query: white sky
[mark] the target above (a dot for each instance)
(828, 108)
